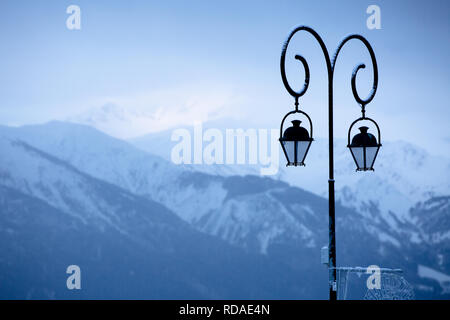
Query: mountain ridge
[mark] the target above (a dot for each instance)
(262, 216)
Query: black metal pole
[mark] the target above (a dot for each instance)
(330, 69)
(331, 201)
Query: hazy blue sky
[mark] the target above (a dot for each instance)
(227, 52)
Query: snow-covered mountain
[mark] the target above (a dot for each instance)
(404, 175)
(432, 220)
(54, 215)
(263, 216)
(191, 195)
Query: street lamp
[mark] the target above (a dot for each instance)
(296, 140)
(364, 146)
(295, 143)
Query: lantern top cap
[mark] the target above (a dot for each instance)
(364, 139)
(296, 132)
(363, 129)
(296, 123)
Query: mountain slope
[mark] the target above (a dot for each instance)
(127, 246)
(262, 215)
(404, 175)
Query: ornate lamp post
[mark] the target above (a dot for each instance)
(296, 140)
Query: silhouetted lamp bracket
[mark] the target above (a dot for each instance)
(364, 146)
(296, 140)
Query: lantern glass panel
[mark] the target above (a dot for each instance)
(358, 154)
(370, 156)
(290, 151)
(302, 147)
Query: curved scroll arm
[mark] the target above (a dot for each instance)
(292, 92)
(293, 112)
(369, 98)
(361, 119)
